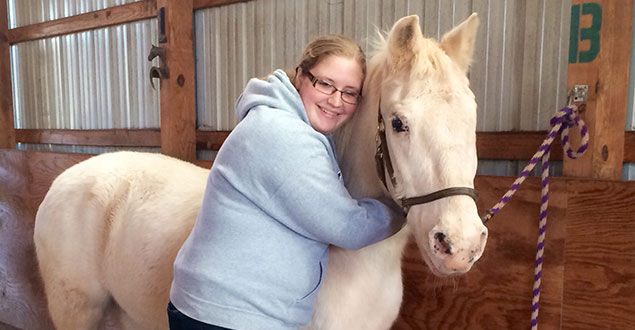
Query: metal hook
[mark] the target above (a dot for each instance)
(162, 70)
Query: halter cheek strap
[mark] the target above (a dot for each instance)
(384, 165)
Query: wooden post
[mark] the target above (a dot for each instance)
(599, 57)
(178, 103)
(7, 133)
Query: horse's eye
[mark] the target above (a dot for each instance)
(398, 125)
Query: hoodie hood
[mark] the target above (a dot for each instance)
(277, 93)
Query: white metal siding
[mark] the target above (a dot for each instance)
(518, 75)
(88, 80)
(98, 79)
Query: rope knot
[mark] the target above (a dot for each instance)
(569, 118)
(565, 117)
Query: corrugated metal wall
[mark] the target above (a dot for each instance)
(92, 79)
(89, 80)
(518, 76)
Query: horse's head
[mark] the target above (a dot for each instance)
(429, 114)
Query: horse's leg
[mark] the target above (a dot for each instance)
(68, 238)
(73, 302)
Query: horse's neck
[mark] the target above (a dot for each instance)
(355, 143)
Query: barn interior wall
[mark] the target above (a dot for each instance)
(98, 79)
(518, 74)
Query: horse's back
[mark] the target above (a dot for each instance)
(108, 231)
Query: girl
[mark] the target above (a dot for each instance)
(275, 200)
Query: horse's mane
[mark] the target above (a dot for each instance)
(429, 61)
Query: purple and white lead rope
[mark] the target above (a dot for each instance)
(560, 123)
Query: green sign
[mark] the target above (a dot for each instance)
(591, 33)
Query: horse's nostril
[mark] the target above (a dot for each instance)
(442, 243)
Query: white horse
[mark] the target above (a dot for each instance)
(108, 230)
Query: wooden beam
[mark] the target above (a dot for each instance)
(599, 263)
(629, 147)
(7, 137)
(92, 20)
(513, 145)
(599, 58)
(97, 137)
(200, 4)
(99, 19)
(178, 97)
(210, 140)
(490, 145)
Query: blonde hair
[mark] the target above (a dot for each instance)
(330, 45)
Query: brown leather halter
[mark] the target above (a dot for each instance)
(384, 164)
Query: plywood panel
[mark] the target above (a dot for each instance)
(599, 278)
(24, 180)
(588, 276)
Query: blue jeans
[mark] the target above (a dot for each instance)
(180, 321)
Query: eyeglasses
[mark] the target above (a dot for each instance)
(325, 87)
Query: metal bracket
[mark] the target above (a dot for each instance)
(579, 93)
(162, 70)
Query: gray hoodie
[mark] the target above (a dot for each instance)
(257, 254)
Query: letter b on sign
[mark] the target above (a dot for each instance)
(591, 33)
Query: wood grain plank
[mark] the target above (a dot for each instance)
(7, 137)
(210, 140)
(24, 180)
(97, 137)
(605, 113)
(490, 145)
(629, 146)
(178, 97)
(92, 20)
(496, 293)
(523, 145)
(599, 278)
(513, 145)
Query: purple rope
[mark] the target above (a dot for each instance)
(560, 123)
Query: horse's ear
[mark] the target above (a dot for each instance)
(404, 38)
(459, 42)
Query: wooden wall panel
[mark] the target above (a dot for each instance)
(24, 180)
(588, 276)
(599, 278)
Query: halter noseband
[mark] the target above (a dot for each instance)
(384, 164)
